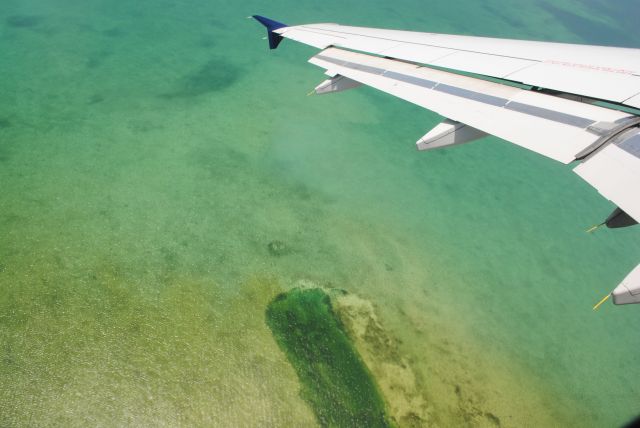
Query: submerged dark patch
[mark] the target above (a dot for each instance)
(4, 123)
(493, 419)
(207, 42)
(214, 76)
(219, 160)
(590, 31)
(335, 382)
(96, 59)
(114, 32)
(277, 248)
(23, 21)
(625, 13)
(95, 99)
(512, 20)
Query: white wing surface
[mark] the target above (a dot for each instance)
(552, 126)
(555, 111)
(599, 72)
(615, 171)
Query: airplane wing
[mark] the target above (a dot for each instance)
(571, 103)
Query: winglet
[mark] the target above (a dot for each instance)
(274, 38)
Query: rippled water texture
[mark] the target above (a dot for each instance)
(163, 177)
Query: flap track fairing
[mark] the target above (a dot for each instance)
(337, 83)
(449, 133)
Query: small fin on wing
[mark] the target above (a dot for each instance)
(337, 83)
(271, 25)
(449, 133)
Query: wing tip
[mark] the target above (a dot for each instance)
(271, 25)
(268, 22)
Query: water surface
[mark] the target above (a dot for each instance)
(150, 153)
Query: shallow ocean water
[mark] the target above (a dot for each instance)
(152, 156)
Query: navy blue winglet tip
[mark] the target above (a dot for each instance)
(269, 23)
(274, 38)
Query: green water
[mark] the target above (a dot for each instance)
(335, 381)
(151, 152)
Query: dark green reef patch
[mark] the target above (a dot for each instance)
(335, 381)
(114, 32)
(589, 30)
(277, 248)
(23, 21)
(216, 75)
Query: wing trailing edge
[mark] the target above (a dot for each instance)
(554, 127)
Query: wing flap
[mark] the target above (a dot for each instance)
(615, 172)
(555, 127)
(633, 101)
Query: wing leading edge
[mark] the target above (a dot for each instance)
(599, 72)
(558, 118)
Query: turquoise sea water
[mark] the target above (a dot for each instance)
(151, 152)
